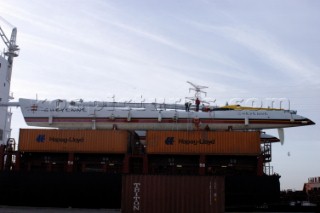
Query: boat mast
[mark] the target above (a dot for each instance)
(198, 89)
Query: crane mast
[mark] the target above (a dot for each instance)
(13, 49)
(6, 61)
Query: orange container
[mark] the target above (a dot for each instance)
(81, 141)
(203, 142)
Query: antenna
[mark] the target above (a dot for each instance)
(198, 89)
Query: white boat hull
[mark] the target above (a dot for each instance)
(66, 116)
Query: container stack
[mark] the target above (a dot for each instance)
(164, 172)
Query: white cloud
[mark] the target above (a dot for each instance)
(269, 50)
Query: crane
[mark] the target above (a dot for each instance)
(6, 60)
(13, 48)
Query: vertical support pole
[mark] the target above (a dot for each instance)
(126, 160)
(70, 162)
(83, 167)
(104, 167)
(260, 161)
(145, 164)
(18, 161)
(49, 167)
(2, 148)
(29, 165)
(202, 165)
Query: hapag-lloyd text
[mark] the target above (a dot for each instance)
(196, 142)
(66, 140)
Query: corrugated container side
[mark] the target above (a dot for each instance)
(204, 142)
(172, 194)
(88, 141)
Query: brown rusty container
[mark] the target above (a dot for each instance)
(80, 141)
(203, 142)
(172, 194)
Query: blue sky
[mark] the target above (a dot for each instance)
(240, 49)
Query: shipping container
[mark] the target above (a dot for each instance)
(78, 141)
(172, 194)
(203, 142)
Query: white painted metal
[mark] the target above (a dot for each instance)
(6, 60)
(151, 116)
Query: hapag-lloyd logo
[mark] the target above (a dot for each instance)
(41, 138)
(171, 140)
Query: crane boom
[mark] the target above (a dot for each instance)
(13, 49)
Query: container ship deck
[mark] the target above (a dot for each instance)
(112, 168)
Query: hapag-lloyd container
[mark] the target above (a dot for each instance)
(87, 141)
(172, 194)
(203, 142)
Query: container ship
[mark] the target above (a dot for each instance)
(138, 157)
